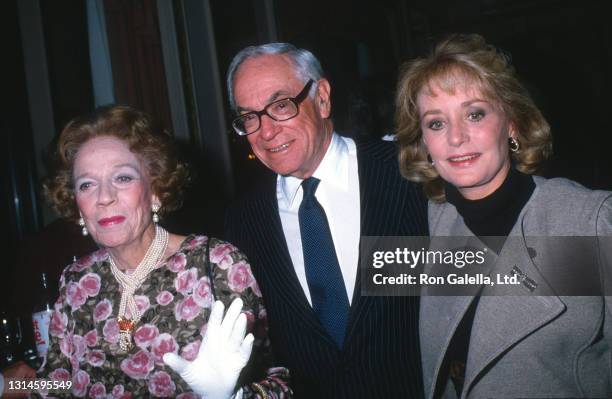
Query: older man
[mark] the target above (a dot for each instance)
(302, 232)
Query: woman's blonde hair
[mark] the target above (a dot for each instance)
(466, 60)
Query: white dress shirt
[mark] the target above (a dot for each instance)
(338, 194)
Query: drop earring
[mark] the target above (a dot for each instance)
(84, 231)
(431, 161)
(155, 209)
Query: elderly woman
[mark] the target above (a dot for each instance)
(469, 131)
(146, 296)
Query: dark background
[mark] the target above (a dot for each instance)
(561, 49)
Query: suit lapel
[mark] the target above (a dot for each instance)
(278, 268)
(373, 205)
(506, 314)
(443, 313)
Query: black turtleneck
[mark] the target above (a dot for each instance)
(495, 214)
(492, 216)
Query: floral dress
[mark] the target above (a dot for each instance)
(175, 303)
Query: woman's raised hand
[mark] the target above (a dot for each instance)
(223, 354)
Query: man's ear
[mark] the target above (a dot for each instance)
(323, 98)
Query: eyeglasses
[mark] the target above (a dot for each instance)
(280, 110)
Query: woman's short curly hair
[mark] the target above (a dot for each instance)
(152, 145)
(466, 60)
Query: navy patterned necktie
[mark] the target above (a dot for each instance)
(327, 291)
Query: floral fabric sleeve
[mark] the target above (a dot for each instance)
(56, 366)
(233, 278)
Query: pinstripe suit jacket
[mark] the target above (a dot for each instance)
(380, 356)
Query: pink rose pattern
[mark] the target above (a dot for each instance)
(59, 321)
(89, 260)
(142, 303)
(59, 375)
(103, 310)
(197, 241)
(175, 302)
(79, 346)
(73, 346)
(96, 358)
(164, 343)
(90, 283)
(75, 295)
(190, 351)
(240, 276)
(97, 391)
(187, 309)
(186, 280)
(177, 263)
(65, 345)
(138, 366)
(145, 334)
(161, 385)
(80, 383)
(164, 298)
(117, 391)
(111, 331)
(222, 255)
(202, 293)
(91, 338)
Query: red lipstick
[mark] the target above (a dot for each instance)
(106, 222)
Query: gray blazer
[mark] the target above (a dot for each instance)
(530, 346)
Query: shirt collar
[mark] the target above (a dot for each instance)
(333, 170)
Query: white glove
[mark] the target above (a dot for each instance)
(223, 354)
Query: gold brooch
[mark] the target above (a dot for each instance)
(126, 327)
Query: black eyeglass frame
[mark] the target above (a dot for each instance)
(297, 100)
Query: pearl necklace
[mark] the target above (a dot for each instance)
(131, 282)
